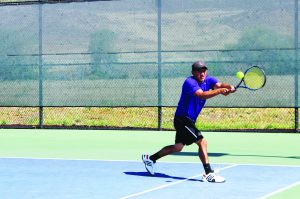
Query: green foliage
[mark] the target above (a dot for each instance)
(3, 122)
(16, 67)
(263, 45)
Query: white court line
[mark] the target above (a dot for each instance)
(280, 190)
(170, 184)
(166, 162)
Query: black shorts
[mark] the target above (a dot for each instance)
(186, 131)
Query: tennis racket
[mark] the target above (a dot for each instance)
(254, 79)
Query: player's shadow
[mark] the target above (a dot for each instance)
(159, 175)
(237, 155)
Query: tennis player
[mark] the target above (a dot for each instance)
(196, 90)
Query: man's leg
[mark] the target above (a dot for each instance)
(166, 151)
(150, 160)
(209, 176)
(203, 155)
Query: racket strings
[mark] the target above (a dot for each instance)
(255, 78)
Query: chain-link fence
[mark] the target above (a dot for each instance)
(134, 55)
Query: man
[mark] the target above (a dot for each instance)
(196, 90)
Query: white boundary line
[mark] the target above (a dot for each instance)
(170, 184)
(280, 190)
(101, 160)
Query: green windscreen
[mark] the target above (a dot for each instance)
(138, 52)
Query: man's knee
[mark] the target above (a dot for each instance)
(202, 142)
(178, 147)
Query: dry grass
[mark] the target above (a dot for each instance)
(210, 118)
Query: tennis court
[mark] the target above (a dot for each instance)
(106, 164)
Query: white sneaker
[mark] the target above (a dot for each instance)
(149, 164)
(212, 177)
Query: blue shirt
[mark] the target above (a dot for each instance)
(189, 104)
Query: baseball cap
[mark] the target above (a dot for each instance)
(198, 65)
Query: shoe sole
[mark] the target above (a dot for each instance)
(212, 182)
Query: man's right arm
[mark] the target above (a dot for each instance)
(211, 93)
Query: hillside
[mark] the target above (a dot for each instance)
(189, 25)
(185, 25)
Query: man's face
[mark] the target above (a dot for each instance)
(200, 75)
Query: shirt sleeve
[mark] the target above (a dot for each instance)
(190, 86)
(212, 82)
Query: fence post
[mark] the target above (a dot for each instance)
(159, 77)
(296, 66)
(40, 66)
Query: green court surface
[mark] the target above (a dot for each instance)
(238, 148)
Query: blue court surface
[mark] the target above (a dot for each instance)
(88, 179)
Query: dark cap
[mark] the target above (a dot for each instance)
(198, 65)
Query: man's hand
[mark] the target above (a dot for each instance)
(232, 90)
(224, 91)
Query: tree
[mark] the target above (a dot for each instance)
(16, 67)
(259, 44)
(102, 55)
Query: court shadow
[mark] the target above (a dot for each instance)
(159, 175)
(237, 155)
